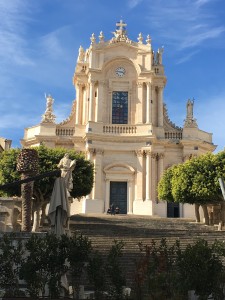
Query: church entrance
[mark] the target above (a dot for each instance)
(118, 195)
(173, 210)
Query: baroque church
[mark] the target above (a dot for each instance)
(120, 121)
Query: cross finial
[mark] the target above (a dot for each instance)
(121, 24)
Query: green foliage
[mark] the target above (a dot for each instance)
(165, 187)
(200, 269)
(195, 181)
(11, 253)
(48, 161)
(97, 274)
(77, 253)
(44, 264)
(116, 277)
(8, 172)
(156, 271)
(82, 175)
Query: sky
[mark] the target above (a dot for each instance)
(39, 42)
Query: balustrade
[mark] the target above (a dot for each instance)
(65, 131)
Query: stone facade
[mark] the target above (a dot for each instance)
(5, 144)
(120, 121)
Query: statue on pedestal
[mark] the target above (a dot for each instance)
(67, 166)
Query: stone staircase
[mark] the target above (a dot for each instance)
(102, 230)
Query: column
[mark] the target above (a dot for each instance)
(154, 107)
(148, 174)
(139, 107)
(154, 175)
(160, 165)
(130, 197)
(90, 153)
(98, 174)
(139, 178)
(78, 93)
(148, 102)
(160, 106)
(91, 101)
(100, 97)
(107, 194)
(84, 114)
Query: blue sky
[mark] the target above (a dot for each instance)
(39, 41)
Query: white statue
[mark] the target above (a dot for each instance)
(190, 105)
(48, 116)
(67, 166)
(81, 54)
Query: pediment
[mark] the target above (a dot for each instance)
(119, 168)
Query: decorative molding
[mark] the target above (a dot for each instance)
(140, 153)
(99, 151)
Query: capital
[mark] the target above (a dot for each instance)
(99, 151)
(139, 153)
(139, 84)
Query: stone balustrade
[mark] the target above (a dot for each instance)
(65, 131)
(119, 129)
(173, 135)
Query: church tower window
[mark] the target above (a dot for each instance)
(119, 107)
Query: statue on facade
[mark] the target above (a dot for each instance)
(190, 121)
(159, 56)
(81, 54)
(190, 104)
(66, 165)
(48, 116)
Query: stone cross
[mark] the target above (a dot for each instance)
(121, 24)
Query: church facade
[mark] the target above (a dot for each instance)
(119, 120)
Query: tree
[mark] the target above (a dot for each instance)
(44, 264)
(194, 182)
(78, 252)
(48, 161)
(200, 268)
(11, 252)
(27, 166)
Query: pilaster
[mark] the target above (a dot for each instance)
(140, 176)
(91, 100)
(148, 174)
(139, 108)
(99, 101)
(148, 103)
(160, 106)
(98, 174)
(130, 196)
(107, 194)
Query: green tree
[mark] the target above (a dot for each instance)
(11, 253)
(194, 182)
(48, 161)
(45, 263)
(78, 253)
(200, 268)
(114, 269)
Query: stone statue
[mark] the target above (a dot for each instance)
(81, 54)
(159, 56)
(190, 104)
(48, 116)
(66, 165)
(190, 121)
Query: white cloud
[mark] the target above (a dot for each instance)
(14, 16)
(134, 3)
(187, 57)
(184, 25)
